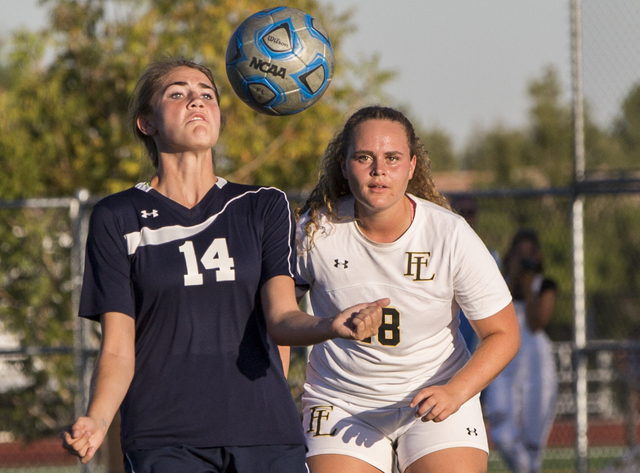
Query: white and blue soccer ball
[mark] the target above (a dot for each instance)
(279, 61)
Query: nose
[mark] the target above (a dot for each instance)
(196, 102)
(378, 167)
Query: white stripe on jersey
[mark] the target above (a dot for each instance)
(148, 236)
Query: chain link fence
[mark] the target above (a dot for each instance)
(611, 65)
(612, 255)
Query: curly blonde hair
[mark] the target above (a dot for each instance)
(332, 185)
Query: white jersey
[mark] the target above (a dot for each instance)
(438, 265)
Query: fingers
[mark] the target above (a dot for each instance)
(79, 440)
(427, 415)
(429, 409)
(383, 302)
(360, 321)
(434, 404)
(365, 323)
(76, 443)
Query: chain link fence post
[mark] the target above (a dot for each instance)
(577, 224)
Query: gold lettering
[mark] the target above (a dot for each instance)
(318, 414)
(416, 260)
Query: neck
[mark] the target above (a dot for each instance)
(185, 178)
(385, 226)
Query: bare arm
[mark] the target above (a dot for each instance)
(499, 342)
(111, 379)
(288, 325)
(285, 356)
(539, 307)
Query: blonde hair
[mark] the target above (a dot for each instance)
(332, 185)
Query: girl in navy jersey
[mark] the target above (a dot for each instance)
(376, 222)
(191, 278)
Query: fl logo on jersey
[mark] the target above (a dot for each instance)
(417, 262)
(319, 415)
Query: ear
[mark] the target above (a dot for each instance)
(414, 160)
(343, 166)
(145, 126)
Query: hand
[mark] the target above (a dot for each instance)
(436, 403)
(84, 438)
(360, 321)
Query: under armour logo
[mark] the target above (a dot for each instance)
(338, 263)
(145, 214)
(471, 431)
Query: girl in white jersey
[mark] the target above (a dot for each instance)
(376, 222)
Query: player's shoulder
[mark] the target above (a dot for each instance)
(123, 210)
(437, 212)
(444, 225)
(232, 190)
(124, 201)
(326, 223)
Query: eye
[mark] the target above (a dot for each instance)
(362, 158)
(176, 95)
(207, 96)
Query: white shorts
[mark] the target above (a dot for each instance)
(372, 435)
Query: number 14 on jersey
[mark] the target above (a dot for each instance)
(216, 257)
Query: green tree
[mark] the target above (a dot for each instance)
(540, 155)
(63, 124)
(440, 148)
(626, 131)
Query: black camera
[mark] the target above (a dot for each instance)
(529, 264)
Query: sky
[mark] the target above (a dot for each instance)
(461, 65)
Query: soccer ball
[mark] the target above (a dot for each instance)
(279, 61)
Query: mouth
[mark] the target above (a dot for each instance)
(197, 118)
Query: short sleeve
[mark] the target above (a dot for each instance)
(106, 285)
(479, 287)
(278, 245)
(303, 276)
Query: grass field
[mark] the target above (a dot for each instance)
(563, 460)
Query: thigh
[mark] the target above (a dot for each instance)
(345, 441)
(451, 460)
(340, 463)
(461, 437)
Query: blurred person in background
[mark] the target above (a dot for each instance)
(521, 401)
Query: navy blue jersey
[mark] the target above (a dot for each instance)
(207, 373)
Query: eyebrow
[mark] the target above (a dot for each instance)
(388, 153)
(182, 83)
